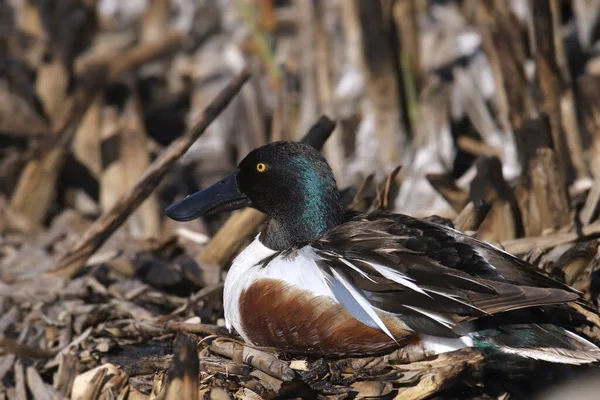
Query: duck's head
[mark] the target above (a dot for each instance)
(289, 181)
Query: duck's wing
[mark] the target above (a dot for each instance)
(431, 275)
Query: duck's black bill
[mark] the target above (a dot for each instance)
(222, 196)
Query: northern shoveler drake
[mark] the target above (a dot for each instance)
(320, 280)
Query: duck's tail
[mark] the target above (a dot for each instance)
(538, 341)
(545, 342)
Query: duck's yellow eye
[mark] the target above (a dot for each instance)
(260, 167)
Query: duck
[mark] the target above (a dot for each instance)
(321, 280)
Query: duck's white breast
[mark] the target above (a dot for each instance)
(298, 269)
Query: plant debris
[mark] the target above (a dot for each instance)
(479, 115)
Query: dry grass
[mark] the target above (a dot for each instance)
(491, 109)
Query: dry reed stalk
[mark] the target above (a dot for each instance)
(104, 226)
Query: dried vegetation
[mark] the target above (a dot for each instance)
(111, 110)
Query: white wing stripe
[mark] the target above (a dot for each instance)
(364, 304)
(354, 267)
(397, 277)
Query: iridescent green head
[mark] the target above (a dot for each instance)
(290, 182)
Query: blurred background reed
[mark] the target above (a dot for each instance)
(486, 113)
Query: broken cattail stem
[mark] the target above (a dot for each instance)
(134, 57)
(470, 217)
(372, 389)
(256, 358)
(211, 365)
(589, 89)
(40, 175)
(232, 235)
(478, 148)
(549, 190)
(445, 185)
(106, 224)
(501, 41)
(35, 190)
(334, 149)
(490, 190)
(409, 354)
(201, 329)
(14, 347)
(573, 262)
(182, 377)
(558, 100)
(592, 203)
(439, 373)
(192, 301)
(143, 53)
(94, 385)
(362, 199)
(381, 80)
(523, 245)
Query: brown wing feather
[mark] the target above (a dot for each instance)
(455, 274)
(513, 297)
